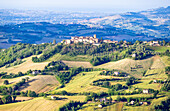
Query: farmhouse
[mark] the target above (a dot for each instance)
(100, 106)
(145, 91)
(133, 55)
(103, 100)
(35, 72)
(116, 73)
(53, 97)
(155, 81)
(132, 102)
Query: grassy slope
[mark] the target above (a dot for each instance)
(81, 83)
(166, 60)
(126, 64)
(70, 58)
(24, 67)
(40, 104)
(159, 48)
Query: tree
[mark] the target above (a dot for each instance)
(27, 78)
(110, 100)
(23, 80)
(14, 97)
(118, 98)
(7, 99)
(6, 82)
(155, 94)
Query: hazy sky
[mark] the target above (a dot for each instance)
(85, 4)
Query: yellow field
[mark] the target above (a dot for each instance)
(40, 104)
(81, 83)
(157, 63)
(78, 64)
(24, 67)
(40, 83)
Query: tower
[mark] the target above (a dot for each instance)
(94, 36)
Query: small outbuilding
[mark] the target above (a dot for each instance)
(145, 91)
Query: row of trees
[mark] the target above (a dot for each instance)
(50, 51)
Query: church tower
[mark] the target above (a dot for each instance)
(94, 36)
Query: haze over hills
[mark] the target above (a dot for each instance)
(30, 26)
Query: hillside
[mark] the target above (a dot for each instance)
(40, 104)
(24, 67)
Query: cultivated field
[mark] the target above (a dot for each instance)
(78, 64)
(40, 83)
(24, 67)
(81, 83)
(40, 104)
(69, 58)
(126, 64)
(166, 60)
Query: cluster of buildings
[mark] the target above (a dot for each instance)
(152, 43)
(85, 40)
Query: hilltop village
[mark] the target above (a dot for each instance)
(89, 39)
(95, 41)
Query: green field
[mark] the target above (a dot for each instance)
(81, 83)
(159, 48)
(58, 56)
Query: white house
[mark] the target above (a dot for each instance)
(53, 97)
(145, 91)
(35, 72)
(155, 81)
(132, 102)
(100, 106)
(116, 73)
(133, 55)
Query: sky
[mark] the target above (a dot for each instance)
(85, 5)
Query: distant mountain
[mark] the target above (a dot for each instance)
(29, 26)
(155, 22)
(15, 16)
